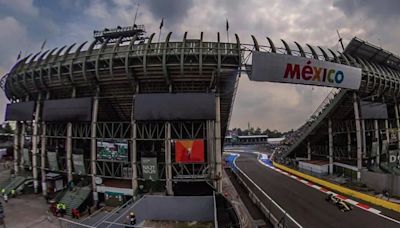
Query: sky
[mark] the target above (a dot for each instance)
(25, 24)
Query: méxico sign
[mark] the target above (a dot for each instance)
(274, 67)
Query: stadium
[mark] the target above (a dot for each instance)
(123, 116)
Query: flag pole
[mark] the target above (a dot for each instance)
(227, 30)
(161, 25)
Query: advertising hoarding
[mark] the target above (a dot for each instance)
(273, 67)
(189, 151)
(149, 168)
(109, 150)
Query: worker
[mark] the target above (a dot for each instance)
(58, 209)
(5, 198)
(13, 193)
(3, 191)
(63, 209)
(75, 213)
(132, 218)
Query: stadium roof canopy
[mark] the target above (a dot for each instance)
(368, 51)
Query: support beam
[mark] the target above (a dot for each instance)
(133, 158)
(218, 145)
(43, 159)
(309, 151)
(168, 160)
(17, 146)
(387, 130)
(68, 147)
(35, 140)
(358, 134)
(93, 144)
(377, 137)
(330, 138)
(348, 141)
(396, 110)
(364, 139)
(22, 145)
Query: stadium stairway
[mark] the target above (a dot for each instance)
(75, 198)
(14, 183)
(329, 103)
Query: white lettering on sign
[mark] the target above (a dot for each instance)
(282, 68)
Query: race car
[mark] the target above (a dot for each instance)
(342, 205)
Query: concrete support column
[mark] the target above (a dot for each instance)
(358, 135)
(68, 147)
(93, 144)
(133, 159)
(17, 146)
(387, 130)
(218, 145)
(43, 159)
(308, 150)
(211, 148)
(22, 145)
(396, 110)
(364, 139)
(348, 141)
(377, 136)
(35, 140)
(69, 151)
(330, 138)
(168, 159)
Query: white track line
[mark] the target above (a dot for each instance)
(321, 189)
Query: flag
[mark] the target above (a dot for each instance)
(227, 25)
(19, 55)
(162, 23)
(189, 151)
(44, 43)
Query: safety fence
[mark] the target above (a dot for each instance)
(275, 213)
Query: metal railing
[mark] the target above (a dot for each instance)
(275, 213)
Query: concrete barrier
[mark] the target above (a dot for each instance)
(341, 189)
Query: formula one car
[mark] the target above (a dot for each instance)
(342, 205)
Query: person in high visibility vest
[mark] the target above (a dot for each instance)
(63, 209)
(58, 209)
(13, 193)
(3, 191)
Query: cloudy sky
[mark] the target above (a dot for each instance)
(25, 24)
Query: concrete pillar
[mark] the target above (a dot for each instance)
(168, 159)
(133, 159)
(309, 151)
(377, 136)
(348, 141)
(93, 144)
(211, 149)
(35, 140)
(218, 145)
(69, 145)
(396, 110)
(387, 130)
(43, 159)
(358, 135)
(364, 139)
(22, 145)
(17, 146)
(330, 139)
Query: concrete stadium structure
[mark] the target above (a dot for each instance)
(113, 71)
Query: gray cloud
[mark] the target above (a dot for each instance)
(382, 9)
(173, 11)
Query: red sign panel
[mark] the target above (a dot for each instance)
(189, 151)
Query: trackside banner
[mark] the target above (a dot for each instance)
(272, 67)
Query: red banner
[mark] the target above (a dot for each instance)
(189, 151)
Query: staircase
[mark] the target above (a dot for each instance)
(329, 103)
(14, 183)
(75, 198)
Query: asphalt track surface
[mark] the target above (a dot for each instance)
(305, 204)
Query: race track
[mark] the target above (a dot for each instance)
(305, 204)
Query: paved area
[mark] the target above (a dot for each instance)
(28, 211)
(306, 205)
